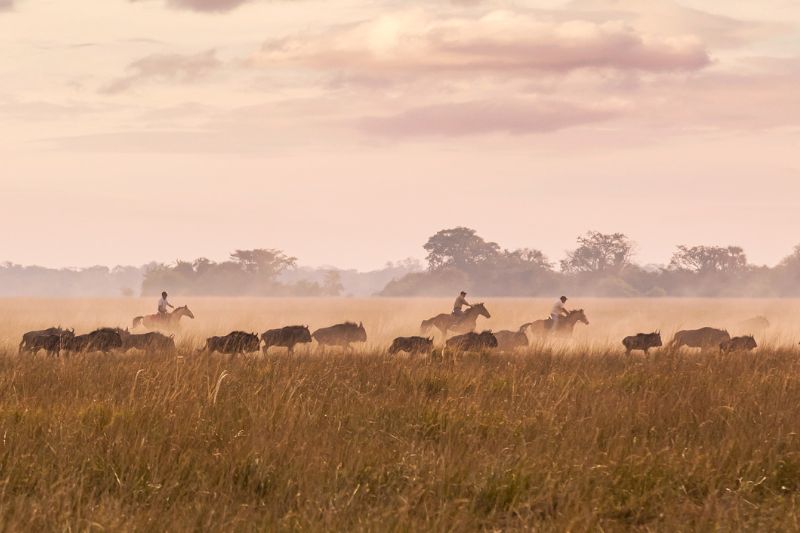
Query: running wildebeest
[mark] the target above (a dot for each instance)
(472, 342)
(746, 343)
(642, 341)
(341, 335)
(508, 341)
(233, 343)
(148, 342)
(455, 324)
(700, 338)
(28, 337)
(286, 337)
(412, 345)
(51, 343)
(101, 340)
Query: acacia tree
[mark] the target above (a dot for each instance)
(708, 259)
(599, 253)
(267, 263)
(460, 248)
(526, 258)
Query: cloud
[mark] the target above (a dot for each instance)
(165, 67)
(496, 42)
(517, 117)
(669, 17)
(207, 6)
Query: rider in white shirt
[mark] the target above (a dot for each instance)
(163, 304)
(559, 311)
(460, 302)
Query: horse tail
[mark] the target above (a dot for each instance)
(525, 326)
(137, 321)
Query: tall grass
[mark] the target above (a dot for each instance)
(366, 442)
(571, 436)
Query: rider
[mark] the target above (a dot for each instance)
(559, 311)
(163, 304)
(460, 302)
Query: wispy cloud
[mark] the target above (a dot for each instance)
(480, 117)
(165, 67)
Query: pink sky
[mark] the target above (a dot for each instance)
(347, 132)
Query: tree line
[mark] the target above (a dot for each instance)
(600, 264)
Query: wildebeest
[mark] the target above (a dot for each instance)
(642, 341)
(412, 345)
(472, 342)
(51, 343)
(508, 341)
(341, 335)
(149, 342)
(233, 343)
(286, 337)
(700, 338)
(27, 338)
(101, 340)
(738, 344)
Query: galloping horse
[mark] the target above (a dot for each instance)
(565, 325)
(456, 324)
(168, 322)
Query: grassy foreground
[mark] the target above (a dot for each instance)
(364, 442)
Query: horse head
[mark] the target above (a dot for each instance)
(480, 309)
(578, 316)
(184, 311)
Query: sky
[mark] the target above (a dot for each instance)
(346, 132)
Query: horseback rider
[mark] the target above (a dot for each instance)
(163, 304)
(460, 302)
(559, 311)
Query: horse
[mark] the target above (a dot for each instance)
(565, 324)
(455, 323)
(169, 322)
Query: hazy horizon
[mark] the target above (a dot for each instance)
(158, 130)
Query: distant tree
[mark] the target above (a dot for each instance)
(708, 259)
(458, 248)
(332, 283)
(599, 253)
(526, 258)
(268, 263)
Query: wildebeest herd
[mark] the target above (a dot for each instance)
(55, 341)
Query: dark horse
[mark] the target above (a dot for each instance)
(168, 322)
(455, 323)
(565, 325)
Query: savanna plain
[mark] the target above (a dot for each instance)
(569, 435)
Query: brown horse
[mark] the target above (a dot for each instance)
(455, 324)
(565, 325)
(168, 322)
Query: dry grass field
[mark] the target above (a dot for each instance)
(567, 436)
